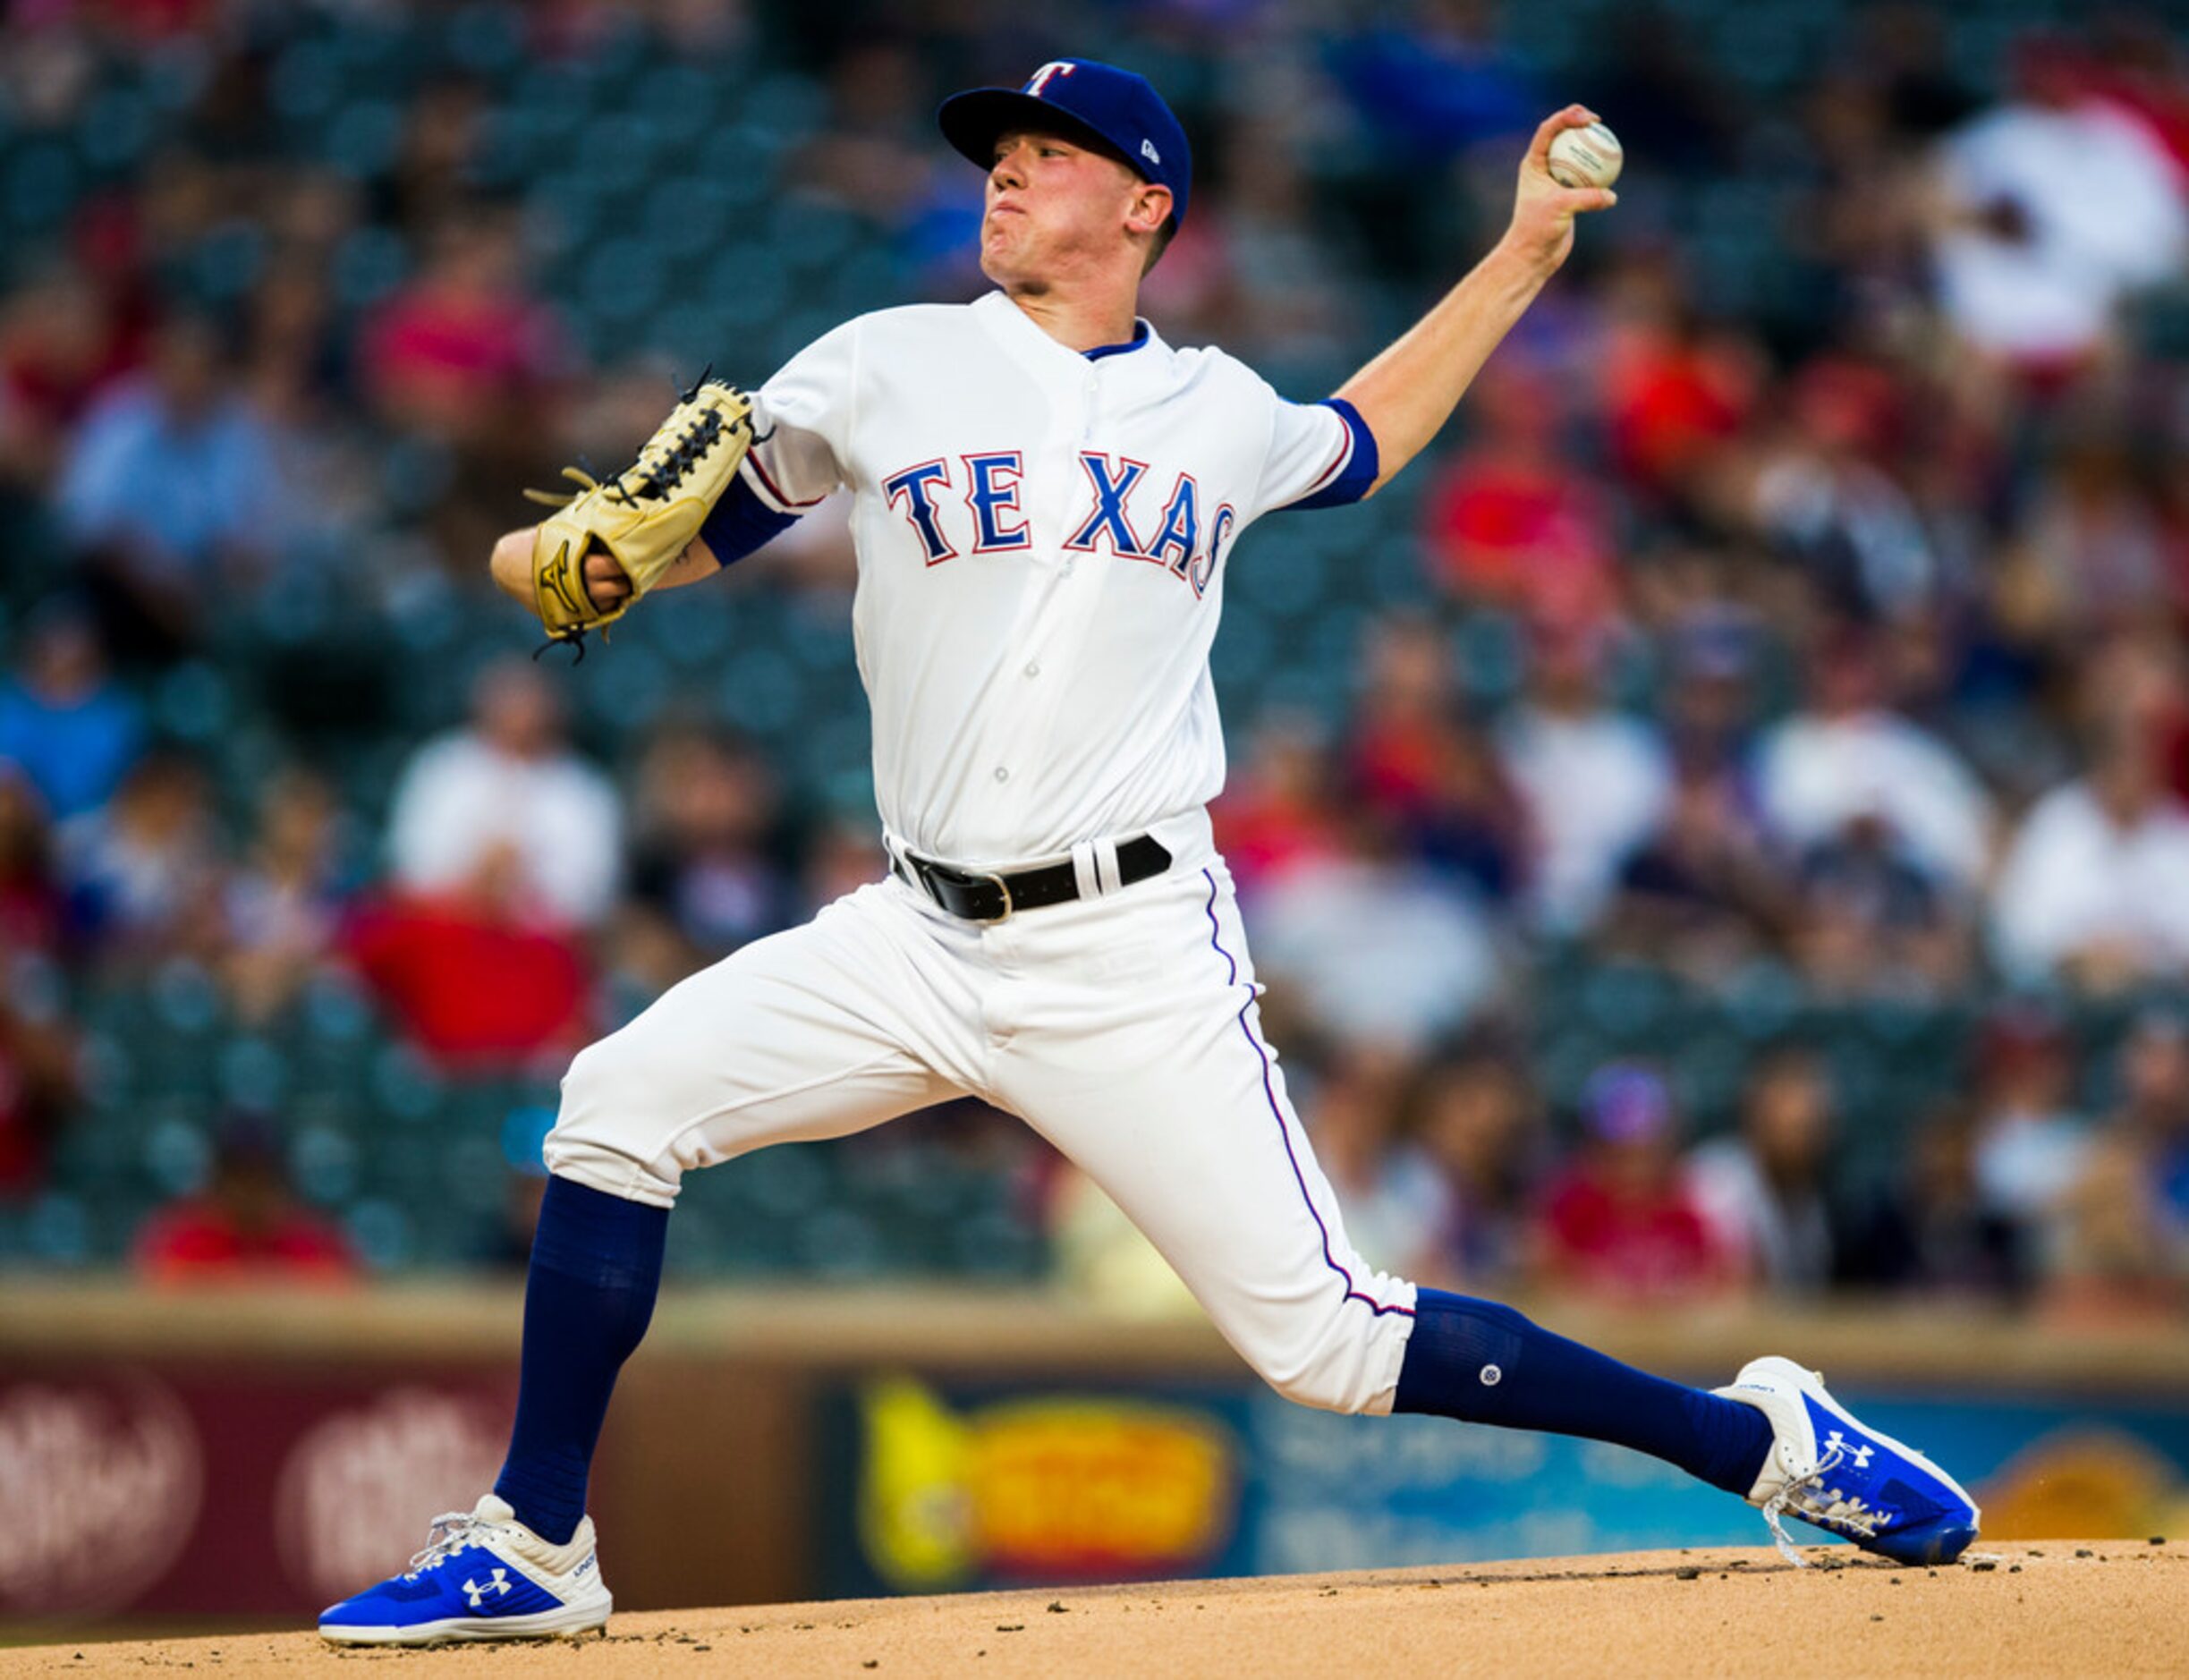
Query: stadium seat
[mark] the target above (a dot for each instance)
(60, 1232)
(382, 1233)
(324, 1158)
(178, 1156)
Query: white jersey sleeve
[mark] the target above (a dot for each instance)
(802, 423)
(1320, 455)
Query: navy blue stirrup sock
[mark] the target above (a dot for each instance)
(1486, 1363)
(596, 1269)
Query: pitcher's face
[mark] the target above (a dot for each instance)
(1055, 206)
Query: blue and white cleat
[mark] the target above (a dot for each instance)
(1827, 1469)
(482, 1575)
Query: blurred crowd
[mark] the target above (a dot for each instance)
(1795, 612)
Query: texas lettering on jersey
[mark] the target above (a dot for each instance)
(1029, 520)
(986, 487)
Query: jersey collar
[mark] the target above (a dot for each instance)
(1141, 335)
(1016, 326)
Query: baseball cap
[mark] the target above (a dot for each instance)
(1084, 100)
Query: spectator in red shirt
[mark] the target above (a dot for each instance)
(475, 987)
(33, 909)
(1276, 815)
(460, 352)
(466, 357)
(1510, 521)
(37, 1062)
(1621, 1222)
(1676, 389)
(1406, 691)
(247, 1226)
(58, 345)
(1414, 763)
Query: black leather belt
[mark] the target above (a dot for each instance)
(979, 896)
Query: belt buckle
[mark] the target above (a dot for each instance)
(1002, 887)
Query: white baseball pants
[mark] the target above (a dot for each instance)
(1122, 1028)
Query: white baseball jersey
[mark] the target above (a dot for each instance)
(1042, 540)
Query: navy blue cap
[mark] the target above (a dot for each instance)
(1084, 100)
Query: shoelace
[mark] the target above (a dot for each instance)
(450, 1532)
(1780, 1502)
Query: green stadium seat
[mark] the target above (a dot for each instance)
(324, 1160)
(381, 1231)
(687, 103)
(867, 278)
(752, 298)
(369, 263)
(40, 180)
(690, 215)
(696, 1246)
(762, 693)
(1629, 1003)
(1490, 657)
(254, 1073)
(117, 130)
(839, 1244)
(60, 1234)
(1708, 1066)
(363, 138)
(404, 1089)
(97, 1147)
(1764, 1000)
(487, 40)
(178, 1156)
(473, 1174)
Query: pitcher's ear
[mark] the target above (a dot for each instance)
(1152, 207)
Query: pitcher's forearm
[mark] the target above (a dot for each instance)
(512, 564)
(695, 562)
(1408, 393)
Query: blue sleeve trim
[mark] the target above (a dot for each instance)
(1357, 476)
(741, 523)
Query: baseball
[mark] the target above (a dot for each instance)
(1587, 156)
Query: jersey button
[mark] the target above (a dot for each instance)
(1033, 667)
(1001, 775)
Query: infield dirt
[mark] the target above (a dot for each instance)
(2026, 1607)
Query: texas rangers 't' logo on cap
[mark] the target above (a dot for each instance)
(1095, 103)
(1055, 67)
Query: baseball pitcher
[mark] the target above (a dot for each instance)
(1048, 501)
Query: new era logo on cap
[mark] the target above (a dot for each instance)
(1082, 99)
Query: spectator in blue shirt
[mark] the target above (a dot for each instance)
(65, 722)
(171, 491)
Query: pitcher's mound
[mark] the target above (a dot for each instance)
(2020, 1607)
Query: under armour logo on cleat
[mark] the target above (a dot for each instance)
(1862, 1455)
(498, 1583)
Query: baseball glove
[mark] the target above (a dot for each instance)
(646, 516)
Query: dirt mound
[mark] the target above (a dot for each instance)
(2033, 1608)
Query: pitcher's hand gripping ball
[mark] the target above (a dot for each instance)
(1589, 157)
(646, 516)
